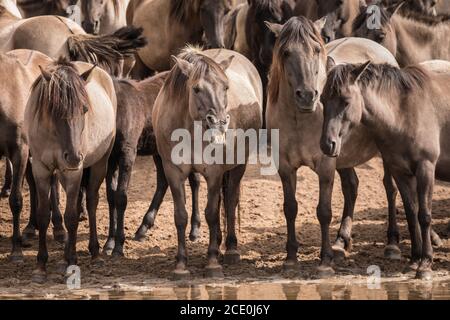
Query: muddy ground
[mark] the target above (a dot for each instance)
(262, 235)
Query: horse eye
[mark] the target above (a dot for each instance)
(317, 50)
(286, 54)
(196, 89)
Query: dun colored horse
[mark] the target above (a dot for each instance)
(297, 76)
(134, 133)
(70, 126)
(411, 39)
(220, 89)
(407, 112)
(170, 24)
(103, 16)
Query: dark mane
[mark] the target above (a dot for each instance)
(273, 7)
(424, 18)
(176, 80)
(64, 96)
(363, 16)
(296, 30)
(380, 76)
(182, 10)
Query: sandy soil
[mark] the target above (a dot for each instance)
(262, 234)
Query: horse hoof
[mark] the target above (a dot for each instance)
(16, 258)
(231, 257)
(436, 240)
(59, 236)
(181, 274)
(39, 276)
(411, 267)
(325, 272)
(117, 253)
(139, 237)
(194, 234)
(5, 193)
(108, 247)
(214, 271)
(426, 275)
(290, 265)
(392, 252)
(339, 254)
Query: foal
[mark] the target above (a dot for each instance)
(407, 111)
(70, 126)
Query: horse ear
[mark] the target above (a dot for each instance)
(45, 74)
(224, 64)
(185, 66)
(320, 24)
(330, 63)
(357, 73)
(397, 8)
(85, 75)
(274, 27)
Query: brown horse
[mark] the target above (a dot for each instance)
(346, 11)
(218, 89)
(411, 39)
(134, 133)
(70, 126)
(170, 24)
(32, 8)
(68, 39)
(407, 111)
(103, 16)
(297, 76)
(19, 70)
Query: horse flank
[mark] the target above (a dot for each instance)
(64, 96)
(295, 30)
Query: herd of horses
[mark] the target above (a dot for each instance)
(79, 102)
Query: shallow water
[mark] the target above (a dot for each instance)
(274, 290)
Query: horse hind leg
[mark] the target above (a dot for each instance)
(194, 182)
(140, 71)
(231, 194)
(29, 232)
(6, 189)
(148, 220)
(111, 187)
(343, 244)
(59, 234)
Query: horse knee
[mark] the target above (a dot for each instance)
(15, 202)
(324, 213)
(290, 209)
(121, 199)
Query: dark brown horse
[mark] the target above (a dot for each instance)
(407, 111)
(134, 133)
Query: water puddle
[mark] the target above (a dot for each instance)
(405, 289)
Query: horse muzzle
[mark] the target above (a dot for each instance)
(73, 162)
(218, 128)
(330, 147)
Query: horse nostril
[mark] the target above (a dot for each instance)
(299, 94)
(66, 156)
(332, 147)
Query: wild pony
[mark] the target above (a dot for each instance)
(410, 39)
(341, 13)
(19, 71)
(68, 39)
(32, 8)
(209, 92)
(103, 16)
(134, 134)
(407, 112)
(297, 76)
(170, 24)
(70, 127)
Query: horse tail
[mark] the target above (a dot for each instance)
(108, 51)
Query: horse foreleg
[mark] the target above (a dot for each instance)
(30, 230)
(213, 268)
(19, 160)
(194, 182)
(59, 234)
(161, 188)
(42, 177)
(392, 250)
(121, 198)
(288, 177)
(349, 182)
(324, 214)
(231, 193)
(111, 187)
(6, 189)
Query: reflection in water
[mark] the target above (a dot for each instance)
(339, 290)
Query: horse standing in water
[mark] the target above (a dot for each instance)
(220, 89)
(408, 111)
(170, 24)
(70, 126)
(134, 135)
(103, 16)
